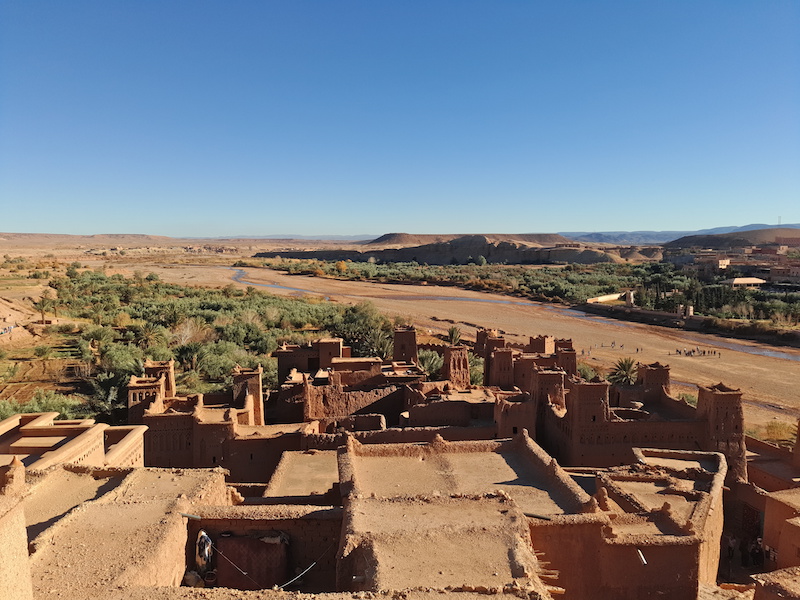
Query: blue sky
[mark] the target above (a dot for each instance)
(214, 118)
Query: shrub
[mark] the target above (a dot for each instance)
(67, 407)
(43, 351)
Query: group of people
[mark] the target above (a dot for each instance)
(588, 352)
(697, 351)
(6, 329)
(751, 552)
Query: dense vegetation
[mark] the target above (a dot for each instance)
(657, 286)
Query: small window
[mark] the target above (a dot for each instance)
(594, 418)
(513, 430)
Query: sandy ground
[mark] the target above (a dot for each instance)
(767, 375)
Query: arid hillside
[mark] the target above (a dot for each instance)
(738, 239)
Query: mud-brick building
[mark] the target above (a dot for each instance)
(591, 423)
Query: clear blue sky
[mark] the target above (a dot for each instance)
(227, 118)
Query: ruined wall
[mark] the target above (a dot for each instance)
(334, 401)
(455, 366)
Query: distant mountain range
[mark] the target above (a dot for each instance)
(660, 237)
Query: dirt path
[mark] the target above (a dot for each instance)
(768, 375)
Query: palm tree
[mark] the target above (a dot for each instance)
(454, 336)
(149, 335)
(624, 372)
(430, 362)
(44, 304)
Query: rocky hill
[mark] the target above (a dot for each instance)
(404, 240)
(737, 239)
(524, 249)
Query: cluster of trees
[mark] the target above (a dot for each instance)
(658, 286)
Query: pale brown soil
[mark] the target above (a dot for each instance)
(769, 384)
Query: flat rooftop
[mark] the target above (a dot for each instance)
(304, 474)
(415, 470)
(441, 542)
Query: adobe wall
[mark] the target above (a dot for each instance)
(789, 547)
(778, 510)
(541, 344)
(87, 448)
(405, 345)
(407, 435)
(602, 444)
(254, 460)
(303, 358)
(314, 534)
(678, 407)
(593, 566)
(15, 574)
(161, 564)
(331, 401)
(758, 472)
(285, 405)
(124, 446)
(501, 368)
(567, 359)
(168, 441)
(440, 413)
(721, 409)
(778, 585)
(512, 417)
(455, 367)
(368, 422)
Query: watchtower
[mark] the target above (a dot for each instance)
(405, 345)
(721, 409)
